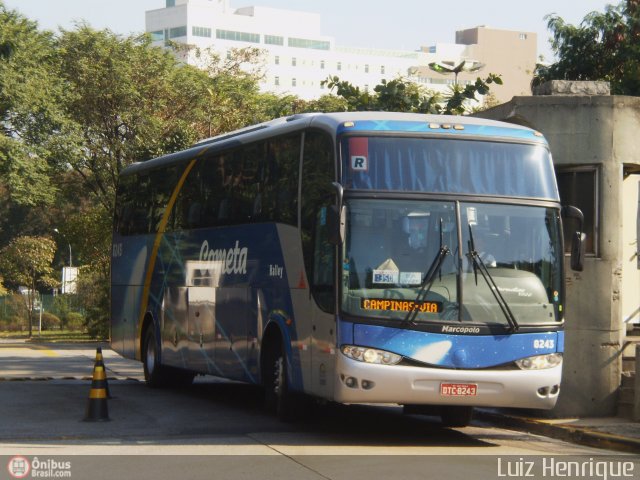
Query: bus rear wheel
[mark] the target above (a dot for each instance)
(455, 416)
(153, 374)
(157, 375)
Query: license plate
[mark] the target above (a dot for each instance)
(458, 389)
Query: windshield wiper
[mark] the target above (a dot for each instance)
(427, 281)
(478, 264)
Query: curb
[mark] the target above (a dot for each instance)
(578, 435)
(79, 379)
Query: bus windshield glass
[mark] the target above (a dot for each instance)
(391, 244)
(447, 166)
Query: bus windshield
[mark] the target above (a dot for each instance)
(449, 166)
(391, 244)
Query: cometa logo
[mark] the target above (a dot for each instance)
(232, 260)
(450, 329)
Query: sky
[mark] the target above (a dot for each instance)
(409, 25)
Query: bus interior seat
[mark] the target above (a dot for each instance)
(195, 215)
(223, 211)
(257, 206)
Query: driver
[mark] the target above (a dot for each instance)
(416, 226)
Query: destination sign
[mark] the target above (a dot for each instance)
(389, 305)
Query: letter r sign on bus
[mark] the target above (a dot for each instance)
(359, 153)
(359, 163)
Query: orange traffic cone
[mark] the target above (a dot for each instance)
(100, 362)
(97, 405)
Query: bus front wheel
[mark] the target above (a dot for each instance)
(278, 397)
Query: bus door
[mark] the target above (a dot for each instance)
(322, 308)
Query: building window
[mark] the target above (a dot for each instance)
(178, 32)
(366, 69)
(276, 60)
(321, 64)
(294, 61)
(273, 40)
(339, 66)
(276, 81)
(382, 69)
(171, 3)
(294, 82)
(157, 36)
(306, 43)
(238, 36)
(523, 36)
(201, 32)
(578, 186)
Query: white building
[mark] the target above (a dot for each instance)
(298, 56)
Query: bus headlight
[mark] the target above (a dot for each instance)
(539, 362)
(371, 355)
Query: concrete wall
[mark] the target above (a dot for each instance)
(587, 130)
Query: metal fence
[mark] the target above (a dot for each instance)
(58, 311)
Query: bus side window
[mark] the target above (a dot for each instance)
(162, 184)
(124, 206)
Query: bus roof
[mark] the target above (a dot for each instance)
(346, 122)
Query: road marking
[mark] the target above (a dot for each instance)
(20, 350)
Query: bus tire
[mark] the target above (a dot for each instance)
(154, 374)
(157, 375)
(278, 397)
(455, 416)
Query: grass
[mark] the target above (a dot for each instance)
(52, 336)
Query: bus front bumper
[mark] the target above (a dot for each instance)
(359, 382)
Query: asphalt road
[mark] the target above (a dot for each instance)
(219, 429)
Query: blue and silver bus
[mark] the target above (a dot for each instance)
(351, 257)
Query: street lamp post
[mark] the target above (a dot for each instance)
(450, 67)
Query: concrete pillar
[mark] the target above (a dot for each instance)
(585, 126)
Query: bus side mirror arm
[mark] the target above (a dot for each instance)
(337, 217)
(578, 239)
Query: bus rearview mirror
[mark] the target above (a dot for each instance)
(578, 238)
(336, 224)
(577, 251)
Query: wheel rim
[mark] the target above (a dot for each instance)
(278, 376)
(151, 356)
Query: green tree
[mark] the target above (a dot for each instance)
(126, 101)
(401, 95)
(326, 103)
(233, 99)
(29, 113)
(91, 229)
(605, 46)
(26, 261)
